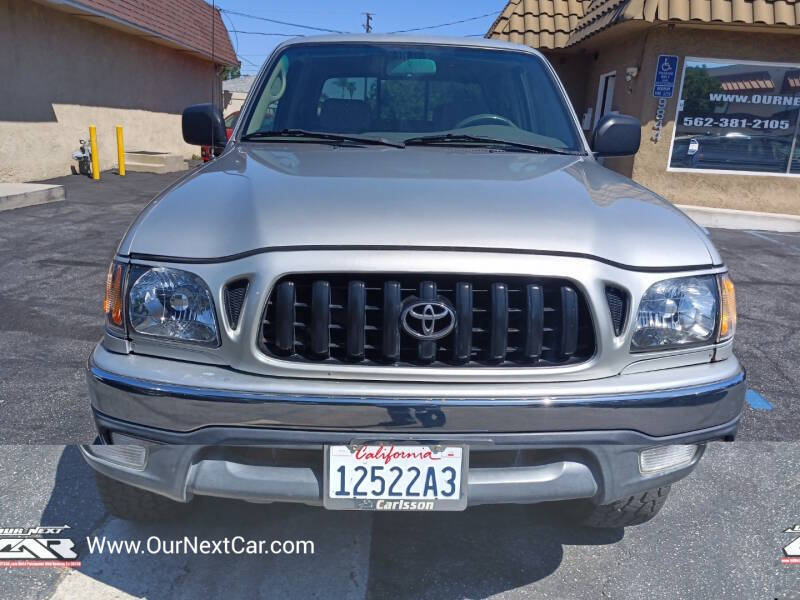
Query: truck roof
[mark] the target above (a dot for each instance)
(436, 40)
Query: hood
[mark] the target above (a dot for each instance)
(259, 196)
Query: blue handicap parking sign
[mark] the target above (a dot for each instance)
(666, 70)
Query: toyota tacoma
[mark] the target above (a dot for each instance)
(409, 283)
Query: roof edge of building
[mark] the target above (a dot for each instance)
(140, 30)
(596, 17)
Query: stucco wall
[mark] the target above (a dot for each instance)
(746, 192)
(640, 47)
(233, 102)
(614, 56)
(573, 71)
(61, 73)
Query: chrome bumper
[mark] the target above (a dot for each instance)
(232, 407)
(587, 437)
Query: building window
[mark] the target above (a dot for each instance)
(737, 117)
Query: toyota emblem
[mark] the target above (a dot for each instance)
(428, 320)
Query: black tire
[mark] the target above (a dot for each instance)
(134, 504)
(633, 510)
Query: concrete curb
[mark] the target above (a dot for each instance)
(726, 218)
(17, 195)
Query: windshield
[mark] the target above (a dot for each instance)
(409, 91)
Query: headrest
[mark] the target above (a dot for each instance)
(346, 116)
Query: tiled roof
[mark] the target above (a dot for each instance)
(550, 24)
(791, 81)
(185, 23)
(539, 23)
(747, 82)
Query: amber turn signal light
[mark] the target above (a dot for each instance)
(112, 305)
(727, 294)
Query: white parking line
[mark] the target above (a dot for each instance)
(769, 239)
(78, 585)
(791, 234)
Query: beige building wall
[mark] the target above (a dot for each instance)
(234, 100)
(744, 192)
(573, 70)
(633, 45)
(582, 72)
(60, 73)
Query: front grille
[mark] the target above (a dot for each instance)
(359, 319)
(618, 306)
(234, 294)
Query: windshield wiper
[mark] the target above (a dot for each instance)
(460, 138)
(319, 135)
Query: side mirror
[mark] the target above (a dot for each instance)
(617, 135)
(203, 125)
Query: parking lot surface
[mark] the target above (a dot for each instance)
(719, 536)
(52, 277)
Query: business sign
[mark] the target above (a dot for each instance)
(666, 71)
(738, 116)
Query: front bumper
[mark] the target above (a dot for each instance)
(190, 403)
(275, 473)
(262, 439)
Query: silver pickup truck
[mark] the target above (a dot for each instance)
(407, 283)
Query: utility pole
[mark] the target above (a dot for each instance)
(368, 24)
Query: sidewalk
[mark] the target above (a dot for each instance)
(17, 195)
(726, 218)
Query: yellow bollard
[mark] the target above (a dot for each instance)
(93, 146)
(120, 152)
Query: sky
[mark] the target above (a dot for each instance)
(253, 47)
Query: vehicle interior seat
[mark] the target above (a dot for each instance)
(343, 115)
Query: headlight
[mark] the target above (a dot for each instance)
(676, 313)
(171, 304)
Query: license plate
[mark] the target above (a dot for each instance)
(389, 477)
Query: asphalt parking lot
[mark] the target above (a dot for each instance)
(52, 274)
(719, 536)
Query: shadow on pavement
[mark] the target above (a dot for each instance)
(482, 551)
(475, 554)
(74, 500)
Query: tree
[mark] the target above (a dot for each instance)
(231, 72)
(697, 85)
(346, 85)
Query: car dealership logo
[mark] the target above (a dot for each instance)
(36, 547)
(428, 320)
(791, 551)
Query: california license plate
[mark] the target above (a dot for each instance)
(389, 477)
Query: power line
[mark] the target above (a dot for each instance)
(236, 37)
(301, 26)
(368, 24)
(247, 60)
(491, 14)
(264, 33)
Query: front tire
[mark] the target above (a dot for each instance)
(133, 504)
(633, 510)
